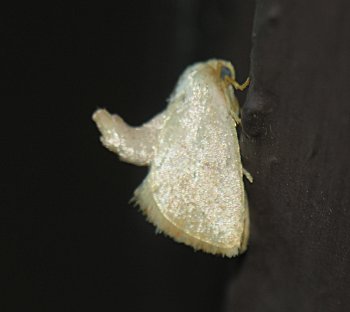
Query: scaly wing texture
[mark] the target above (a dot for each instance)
(194, 191)
(134, 145)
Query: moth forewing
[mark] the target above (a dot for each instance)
(194, 191)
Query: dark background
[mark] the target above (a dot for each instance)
(69, 239)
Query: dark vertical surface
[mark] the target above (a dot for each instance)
(296, 145)
(69, 240)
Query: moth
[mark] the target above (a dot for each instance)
(194, 189)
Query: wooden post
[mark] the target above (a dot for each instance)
(295, 143)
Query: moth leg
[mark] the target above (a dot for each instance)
(235, 110)
(134, 145)
(236, 118)
(241, 86)
(237, 85)
(248, 175)
(245, 234)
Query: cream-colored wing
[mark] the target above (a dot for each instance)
(134, 145)
(194, 191)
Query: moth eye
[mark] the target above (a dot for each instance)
(225, 72)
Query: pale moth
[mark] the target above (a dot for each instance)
(194, 190)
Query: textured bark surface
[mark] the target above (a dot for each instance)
(296, 145)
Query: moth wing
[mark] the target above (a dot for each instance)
(194, 191)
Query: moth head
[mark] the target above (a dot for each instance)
(225, 78)
(226, 71)
(228, 76)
